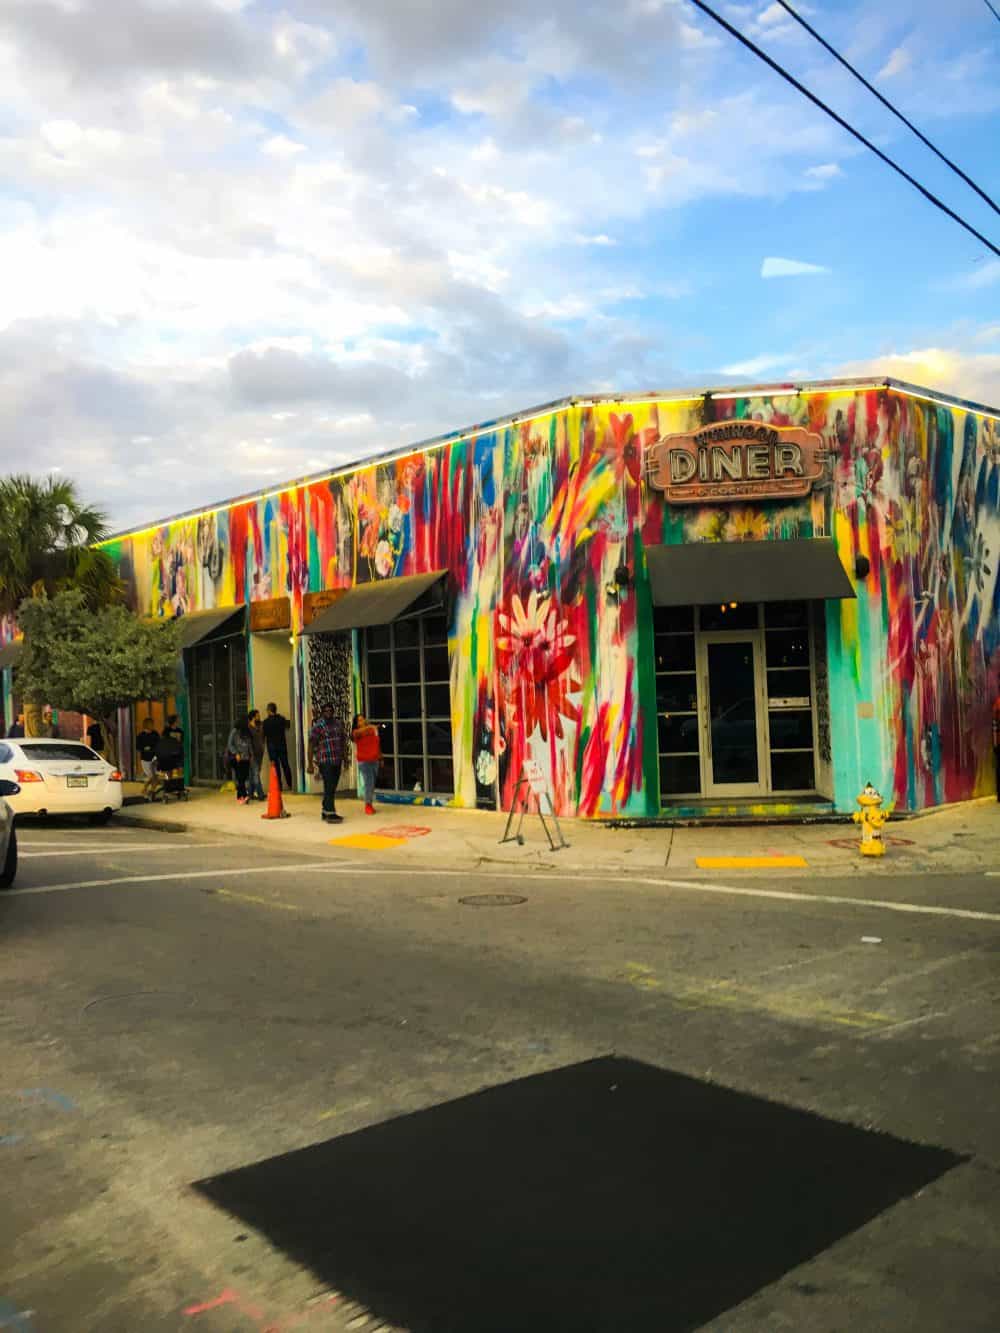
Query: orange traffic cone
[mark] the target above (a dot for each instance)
(275, 805)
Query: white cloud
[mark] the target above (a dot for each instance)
(756, 365)
(899, 62)
(826, 171)
(772, 14)
(773, 267)
(983, 275)
(955, 370)
(279, 145)
(601, 238)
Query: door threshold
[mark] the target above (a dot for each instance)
(755, 810)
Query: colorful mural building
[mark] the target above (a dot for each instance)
(757, 599)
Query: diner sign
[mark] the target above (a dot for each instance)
(736, 460)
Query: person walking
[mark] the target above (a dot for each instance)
(145, 744)
(17, 728)
(275, 728)
(368, 752)
(95, 737)
(257, 755)
(240, 748)
(326, 750)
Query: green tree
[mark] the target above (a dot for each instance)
(47, 536)
(94, 662)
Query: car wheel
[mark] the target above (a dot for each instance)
(100, 817)
(9, 870)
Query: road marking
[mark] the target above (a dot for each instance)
(113, 847)
(223, 872)
(750, 862)
(694, 886)
(263, 902)
(367, 842)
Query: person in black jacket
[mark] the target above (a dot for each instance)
(145, 743)
(276, 739)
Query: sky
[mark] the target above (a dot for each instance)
(248, 240)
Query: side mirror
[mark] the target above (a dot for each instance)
(8, 788)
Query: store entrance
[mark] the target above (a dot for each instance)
(217, 692)
(734, 716)
(736, 700)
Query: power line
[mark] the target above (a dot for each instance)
(932, 198)
(992, 10)
(886, 103)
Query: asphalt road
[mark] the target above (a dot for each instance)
(247, 1091)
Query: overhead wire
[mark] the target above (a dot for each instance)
(817, 101)
(888, 105)
(992, 10)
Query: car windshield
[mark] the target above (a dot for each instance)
(59, 751)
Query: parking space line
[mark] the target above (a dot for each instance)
(177, 876)
(110, 847)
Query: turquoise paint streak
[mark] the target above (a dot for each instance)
(859, 745)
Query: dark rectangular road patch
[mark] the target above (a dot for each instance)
(609, 1195)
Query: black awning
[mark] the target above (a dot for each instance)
(10, 653)
(780, 571)
(216, 624)
(380, 603)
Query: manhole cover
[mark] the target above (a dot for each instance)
(493, 900)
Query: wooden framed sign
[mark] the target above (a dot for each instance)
(736, 460)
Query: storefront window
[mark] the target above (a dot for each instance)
(408, 696)
(676, 701)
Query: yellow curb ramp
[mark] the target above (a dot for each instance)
(751, 862)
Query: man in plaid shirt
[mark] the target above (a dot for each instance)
(326, 751)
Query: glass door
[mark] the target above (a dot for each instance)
(731, 670)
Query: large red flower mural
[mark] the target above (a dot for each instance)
(534, 654)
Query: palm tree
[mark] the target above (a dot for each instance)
(47, 536)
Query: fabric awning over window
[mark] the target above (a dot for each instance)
(380, 603)
(701, 573)
(215, 624)
(10, 654)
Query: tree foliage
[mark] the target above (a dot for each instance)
(47, 536)
(93, 662)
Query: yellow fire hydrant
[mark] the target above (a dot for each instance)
(871, 817)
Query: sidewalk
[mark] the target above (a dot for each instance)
(959, 839)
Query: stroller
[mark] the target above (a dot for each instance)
(170, 770)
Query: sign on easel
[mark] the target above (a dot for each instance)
(532, 783)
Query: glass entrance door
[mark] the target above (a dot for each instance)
(731, 673)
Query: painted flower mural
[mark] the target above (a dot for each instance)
(535, 653)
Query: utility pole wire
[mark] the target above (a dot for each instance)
(992, 10)
(932, 198)
(886, 103)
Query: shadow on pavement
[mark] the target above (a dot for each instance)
(609, 1195)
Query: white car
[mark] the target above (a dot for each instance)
(59, 777)
(8, 838)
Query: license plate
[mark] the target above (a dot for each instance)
(76, 782)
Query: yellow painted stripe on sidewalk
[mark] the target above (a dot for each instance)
(368, 842)
(750, 862)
